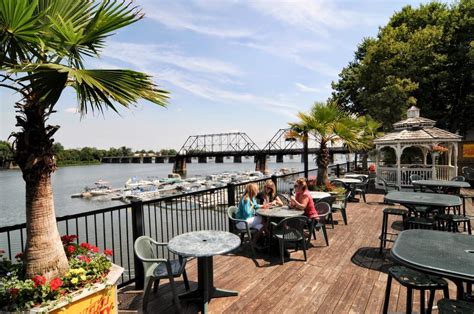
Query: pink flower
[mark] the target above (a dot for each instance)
(94, 249)
(85, 245)
(55, 284)
(19, 255)
(84, 259)
(108, 252)
(39, 280)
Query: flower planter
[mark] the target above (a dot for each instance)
(100, 298)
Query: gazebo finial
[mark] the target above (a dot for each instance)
(413, 112)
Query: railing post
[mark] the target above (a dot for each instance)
(275, 181)
(348, 166)
(137, 231)
(231, 202)
(338, 170)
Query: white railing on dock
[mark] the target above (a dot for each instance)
(389, 174)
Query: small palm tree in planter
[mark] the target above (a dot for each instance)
(329, 125)
(43, 46)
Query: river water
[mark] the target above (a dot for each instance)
(71, 180)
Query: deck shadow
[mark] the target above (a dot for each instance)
(370, 257)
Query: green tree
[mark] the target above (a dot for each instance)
(423, 56)
(5, 152)
(43, 46)
(330, 125)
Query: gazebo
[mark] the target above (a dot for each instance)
(416, 146)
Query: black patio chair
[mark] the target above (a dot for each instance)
(458, 178)
(361, 188)
(319, 222)
(415, 177)
(386, 186)
(329, 200)
(284, 198)
(290, 230)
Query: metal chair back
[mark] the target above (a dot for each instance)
(459, 179)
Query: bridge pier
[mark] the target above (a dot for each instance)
(188, 160)
(279, 158)
(219, 159)
(202, 160)
(179, 165)
(238, 159)
(171, 159)
(261, 163)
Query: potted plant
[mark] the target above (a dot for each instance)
(89, 284)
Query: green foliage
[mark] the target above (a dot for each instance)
(5, 152)
(423, 56)
(86, 267)
(168, 152)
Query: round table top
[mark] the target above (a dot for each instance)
(348, 180)
(203, 243)
(443, 183)
(317, 195)
(279, 212)
(355, 175)
(424, 199)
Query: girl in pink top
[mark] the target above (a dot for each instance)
(302, 199)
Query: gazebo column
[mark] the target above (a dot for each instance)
(450, 152)
(425, 156)
(399, 166)
(433, 165)
(455, 146)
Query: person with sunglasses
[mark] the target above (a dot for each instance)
(268, 195)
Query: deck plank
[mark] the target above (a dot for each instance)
(349, 276)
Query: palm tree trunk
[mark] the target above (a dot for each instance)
(44, 251)
(322, 162)
(44, 254)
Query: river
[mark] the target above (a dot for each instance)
(70, 180)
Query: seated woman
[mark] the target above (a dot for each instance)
(268, 195)
(302, 199)
(246, 211)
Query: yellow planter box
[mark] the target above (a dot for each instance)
(100, 298)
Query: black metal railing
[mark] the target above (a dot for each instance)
(117, 227)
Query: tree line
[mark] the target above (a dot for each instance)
(425, 57)
(85, 155)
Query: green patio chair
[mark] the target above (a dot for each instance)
(155, 268)
(415, 177)
(319, 223)
(242, 233)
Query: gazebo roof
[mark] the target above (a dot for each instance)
(416, 128)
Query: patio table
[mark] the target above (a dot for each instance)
(437, 185)
(412, 199)
(355, 175)
(317, 195)
(279, 212)
(445, 254)
(351, 182)
(204, 245)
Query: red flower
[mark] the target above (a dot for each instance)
(85, 245)
(66, 239)
(108, 252)
(2, 251)
(39, 280)
(55, 284)
(84, 258)
(19, 255)
(14, 292)
(70, 249)
(94, 249)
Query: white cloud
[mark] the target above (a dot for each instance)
(180, 17)
(145, 55)
(71, 110)
(315, 15)
(308, 89)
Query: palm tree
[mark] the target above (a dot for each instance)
(329, 125)
(43, 46)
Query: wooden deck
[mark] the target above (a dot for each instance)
(349, 276)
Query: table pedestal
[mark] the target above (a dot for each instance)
(206, 290)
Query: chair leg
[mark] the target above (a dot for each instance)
(431, 300)
(249, 235)
(173, 289)
(446, 292)
(325, 233)
(383, 234)
(186, 281)
(409, 300)
(387, 294)
(146, 295)
(155, 285)
(304, 250)
(281, 244)
(363, 196)
(422, 301)
(344, 216)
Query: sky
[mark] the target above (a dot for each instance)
(229, 65)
